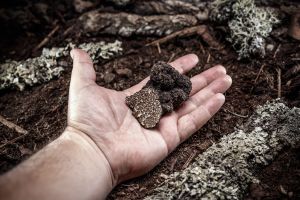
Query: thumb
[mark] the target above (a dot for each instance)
(83, 71)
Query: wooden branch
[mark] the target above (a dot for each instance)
(189, 160)
(46, 39)
(11, 125)
(259, 72)
(13, 140)
(15, 127)
(233, 113)
(185, 32)
(279, 83)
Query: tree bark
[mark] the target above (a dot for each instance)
(126, 24)
(171, 7)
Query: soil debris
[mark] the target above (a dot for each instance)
(124, 72)
(167, 87)
(82, 5)
(226, 169)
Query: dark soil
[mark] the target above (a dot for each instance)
(42, 110)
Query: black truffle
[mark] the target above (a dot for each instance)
(166, 90)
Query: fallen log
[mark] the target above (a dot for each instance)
(199, 10)
(126, 24)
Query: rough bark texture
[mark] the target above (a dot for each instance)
(226, 169)
(126, 24)
(121, 2)
(171, 7)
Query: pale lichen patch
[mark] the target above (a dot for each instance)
(227, 168)
(248, 24)
(18, 74)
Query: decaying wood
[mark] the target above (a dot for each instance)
(11, 125)
(126, 25)
(82, 5)
(171, 7)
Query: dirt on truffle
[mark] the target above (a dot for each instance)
(42, 110)
(166, 90)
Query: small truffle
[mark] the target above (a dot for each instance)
(166, 90)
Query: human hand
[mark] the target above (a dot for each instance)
(102, 118)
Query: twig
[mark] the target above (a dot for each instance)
(185, 32)
(189, 160)
(68, 30)
(201, 47)
(279, 82)
(173, 164)
(257, 76)
(259, 72)
(208, 58)
(17, 128)
(171, 57)
(276, 51)
(13, 140)
(158, 48)
(233, 113)
(11, 125)
(46, 39)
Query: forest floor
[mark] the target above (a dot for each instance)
(42, 109)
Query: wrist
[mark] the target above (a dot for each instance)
(94, 159)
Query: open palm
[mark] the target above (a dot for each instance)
(130, 149)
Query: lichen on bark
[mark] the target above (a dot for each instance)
(50, 64)
(227, 168)
(126, 24)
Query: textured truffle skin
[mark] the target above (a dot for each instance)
(145, 107)
(173, 87)
(166, 90)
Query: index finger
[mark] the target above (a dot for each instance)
(182, 64)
